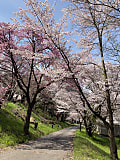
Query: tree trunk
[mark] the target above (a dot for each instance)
(113, 147)
(0, 104)
(88, 128)
(27, 123)
(89, 131)
(80, 125)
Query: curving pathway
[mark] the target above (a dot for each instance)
(55, 146)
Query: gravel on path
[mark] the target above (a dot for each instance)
(55, 146)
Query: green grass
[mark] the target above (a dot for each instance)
(11, 126)
(96, 148)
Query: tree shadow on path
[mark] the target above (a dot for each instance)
(51, 142)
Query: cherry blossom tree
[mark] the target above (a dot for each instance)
(77, 106)
(96, 23)
(94, 27)
(6, 75)
(28, 54)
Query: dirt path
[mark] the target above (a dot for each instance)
(55, 146)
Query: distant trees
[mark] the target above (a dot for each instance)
(46, 103)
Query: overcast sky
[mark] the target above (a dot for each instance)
(8, 7)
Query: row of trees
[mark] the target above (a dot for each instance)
(37, 53)
(97, 25)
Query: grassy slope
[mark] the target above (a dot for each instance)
(86, 148)
(11, 127)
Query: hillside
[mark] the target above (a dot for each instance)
(12, 122)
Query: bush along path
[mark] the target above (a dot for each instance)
(55, 146)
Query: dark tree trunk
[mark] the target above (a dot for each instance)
(80, 125)
(27, 123)
(89, 131)
(0, 104)
(113, 147)
(88, 128)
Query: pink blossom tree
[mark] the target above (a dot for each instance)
(6, 70)
(28, 54)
